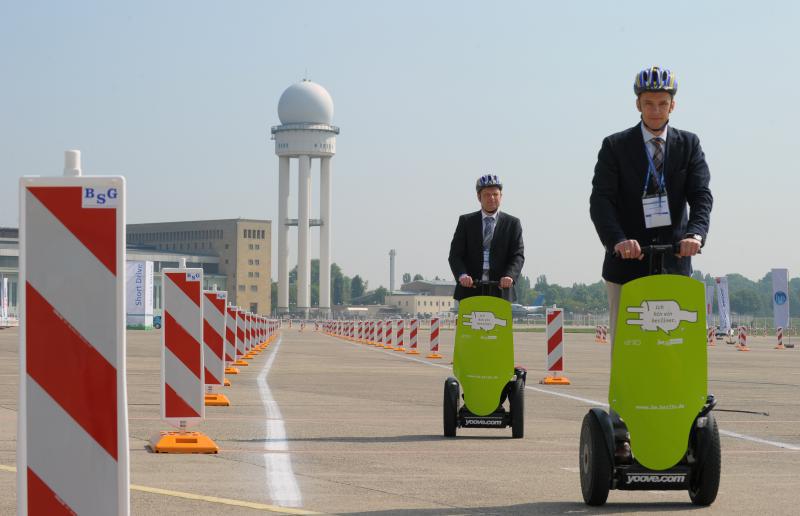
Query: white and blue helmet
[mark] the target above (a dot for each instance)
(487, 180)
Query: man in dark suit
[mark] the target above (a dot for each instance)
(650, 186)
(487, 245)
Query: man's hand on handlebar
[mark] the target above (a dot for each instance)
(629, 250)
(506, 282)
(465, 281)
(689, 247)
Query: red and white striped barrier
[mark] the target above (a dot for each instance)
(711, 336)
(434, 338)
(72, 438)
(742, 344)
(231, 354)
(412, 337)
(372, 330)
(182, 397)
(779, 336)
(555, 348)
(214, 345)
(388, 333)
(379, 331)
(241, 337)
(400, 337)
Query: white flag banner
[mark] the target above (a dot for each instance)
(139, 294)
(709, 304)
(723, 304)
(4, 300)
(780, 297)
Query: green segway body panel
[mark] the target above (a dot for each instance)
(483, 359)
(659, 365)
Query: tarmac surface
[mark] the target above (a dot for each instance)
(324, 425)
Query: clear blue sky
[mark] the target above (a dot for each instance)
(179, 95)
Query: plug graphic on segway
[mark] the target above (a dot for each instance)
(483, 368)
(659, 433)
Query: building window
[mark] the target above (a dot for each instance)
(254, 308)
(250, 262)
(241, 288)
(227, 246)
(253, 288)
(258, 262)
(251, 247)
(226, 261)
(250, 274)
(258, 246)
(257, 274)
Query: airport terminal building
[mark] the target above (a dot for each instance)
(233, 253)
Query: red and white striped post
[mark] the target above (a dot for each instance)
(72, 436)
(412, 337)
(742, 344)
(388, 333)
(779, 336)
(214, 345)
(555, 348)
(241, 337)
(182, 364)
(379, 330)
(711, 336)
(434, 336)
(231, 354)
(400, 337)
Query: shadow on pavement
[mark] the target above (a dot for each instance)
(376, 439)
(538, 508)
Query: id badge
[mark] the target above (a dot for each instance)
(656, 211)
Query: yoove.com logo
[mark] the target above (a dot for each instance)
(780, 297)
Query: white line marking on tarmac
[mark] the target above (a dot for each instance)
(283, 488)
(595, 403)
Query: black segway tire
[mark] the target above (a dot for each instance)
(516, 399)
(450, 410)
(706, 471)
(595, 464)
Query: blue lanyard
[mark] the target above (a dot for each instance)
(651, 168)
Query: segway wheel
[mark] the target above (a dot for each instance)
(516, 399)
(595, 464)
(706, 471)
(450, 406)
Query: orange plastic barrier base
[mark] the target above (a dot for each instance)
(402, 350)
(241, 363)
(217, 400)
(555, 380)
(742, 348)
(231, 370)
(182, 442)
(434, 355)
(412, 352)
(780, 346)
(226, 382)
(248, 356)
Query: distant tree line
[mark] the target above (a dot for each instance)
(747, 297)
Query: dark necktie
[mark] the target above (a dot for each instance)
(658, 163)
(488, 224)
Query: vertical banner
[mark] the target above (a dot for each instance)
(139, 294)
(780, 297)
(214, 336)
(4, 300)
(72, 438)
(723, 304)
(709, 305)
(182, 390)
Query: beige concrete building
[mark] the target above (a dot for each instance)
(420, 304)
(242, 245)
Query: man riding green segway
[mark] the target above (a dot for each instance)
(486, 258)
(650, 199)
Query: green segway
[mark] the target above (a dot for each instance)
(660, 433)
(483, 367)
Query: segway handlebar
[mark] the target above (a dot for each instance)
(656, 254)
(488, 286)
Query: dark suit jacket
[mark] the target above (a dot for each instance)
(616, 200)
(506, 254)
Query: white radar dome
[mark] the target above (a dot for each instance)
(305, 102)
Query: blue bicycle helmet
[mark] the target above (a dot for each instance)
(655, 79)
(487, 180)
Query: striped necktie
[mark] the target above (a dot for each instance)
(488, 226)
(658, 163)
